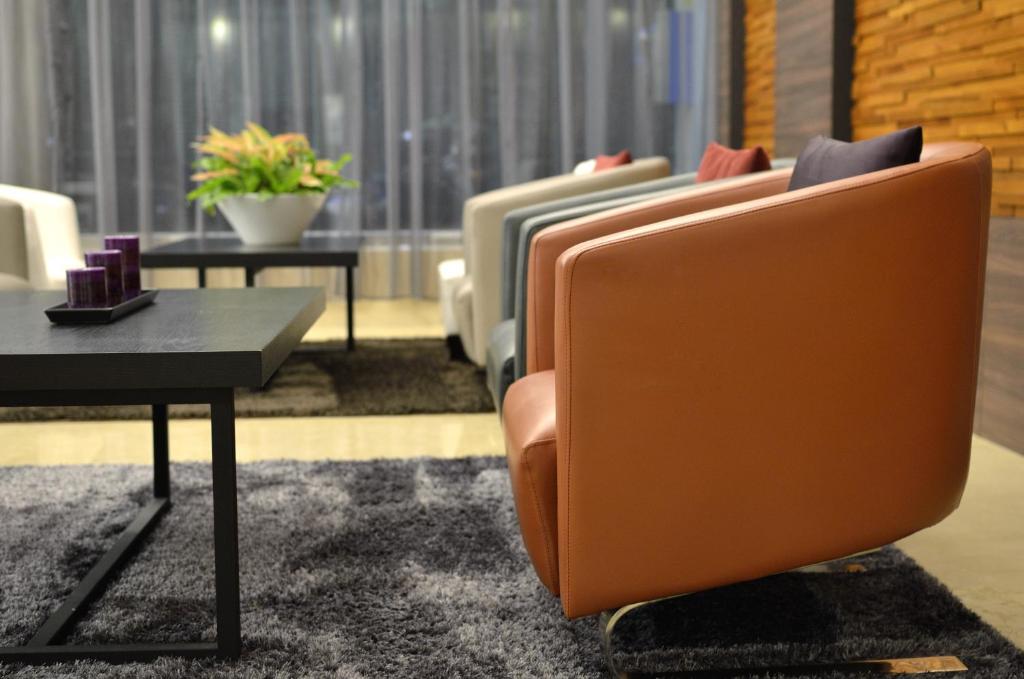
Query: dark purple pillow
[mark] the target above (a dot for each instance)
(827, 160)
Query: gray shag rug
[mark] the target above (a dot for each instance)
(381, 377)
(415, 568)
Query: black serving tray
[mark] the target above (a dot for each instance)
(62, 315)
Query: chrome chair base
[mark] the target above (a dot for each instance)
(924, 665)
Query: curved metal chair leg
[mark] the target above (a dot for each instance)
(923, 665)
(607, 620)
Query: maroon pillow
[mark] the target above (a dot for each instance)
(605, 162)
(721, 161)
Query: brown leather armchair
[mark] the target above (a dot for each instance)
(548, 245)
(750, 388)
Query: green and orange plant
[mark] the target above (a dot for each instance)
(256, 162)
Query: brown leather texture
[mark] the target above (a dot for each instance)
(768, 385)
(528, 419)
(548, 244)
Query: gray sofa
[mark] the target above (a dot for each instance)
(506, 349)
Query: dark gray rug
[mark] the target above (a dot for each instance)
(381, 377)
(415, 569)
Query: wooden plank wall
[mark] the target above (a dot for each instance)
(759, 67)
(999, 412)
(957, 68)
(954, 66)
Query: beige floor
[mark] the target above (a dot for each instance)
(978, 551)
(378, 318)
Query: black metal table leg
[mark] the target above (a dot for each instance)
(225, 526)
(44, 647)
(250, 277)
(161, 454)
(96, 580)
(202, 276)
(350, 297)
(112, 653)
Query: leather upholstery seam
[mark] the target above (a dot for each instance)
(567, 301)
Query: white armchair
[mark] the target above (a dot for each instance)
(13, 267)
(48, 243)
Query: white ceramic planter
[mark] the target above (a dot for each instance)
(278, 220)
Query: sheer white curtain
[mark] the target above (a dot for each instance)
(435, 99)
(27, 118)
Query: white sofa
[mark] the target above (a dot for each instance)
(38, 238)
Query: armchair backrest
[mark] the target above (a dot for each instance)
(52, 243)
(482, 237)
(547, 245)
(591, 205)
(516, 236)
(512, 224)
(766, 385)
(535, 225)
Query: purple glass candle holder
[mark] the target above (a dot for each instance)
(87, 287)
(113, 262)
(129, 245)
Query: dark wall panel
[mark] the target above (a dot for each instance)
(1000, 405)
(803, 73)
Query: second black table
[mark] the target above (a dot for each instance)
(313, 250)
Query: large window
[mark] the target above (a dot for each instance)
(436, 99)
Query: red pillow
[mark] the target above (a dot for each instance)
(605, 162)
(721, 161)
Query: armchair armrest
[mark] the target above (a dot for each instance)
(770, 384)
(51, 234)
(549, 244)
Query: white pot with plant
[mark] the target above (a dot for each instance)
(268, 187)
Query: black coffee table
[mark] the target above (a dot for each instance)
(190, 346)
(314, 250)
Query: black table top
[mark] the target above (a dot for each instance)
(312, 250)
(187, 339)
